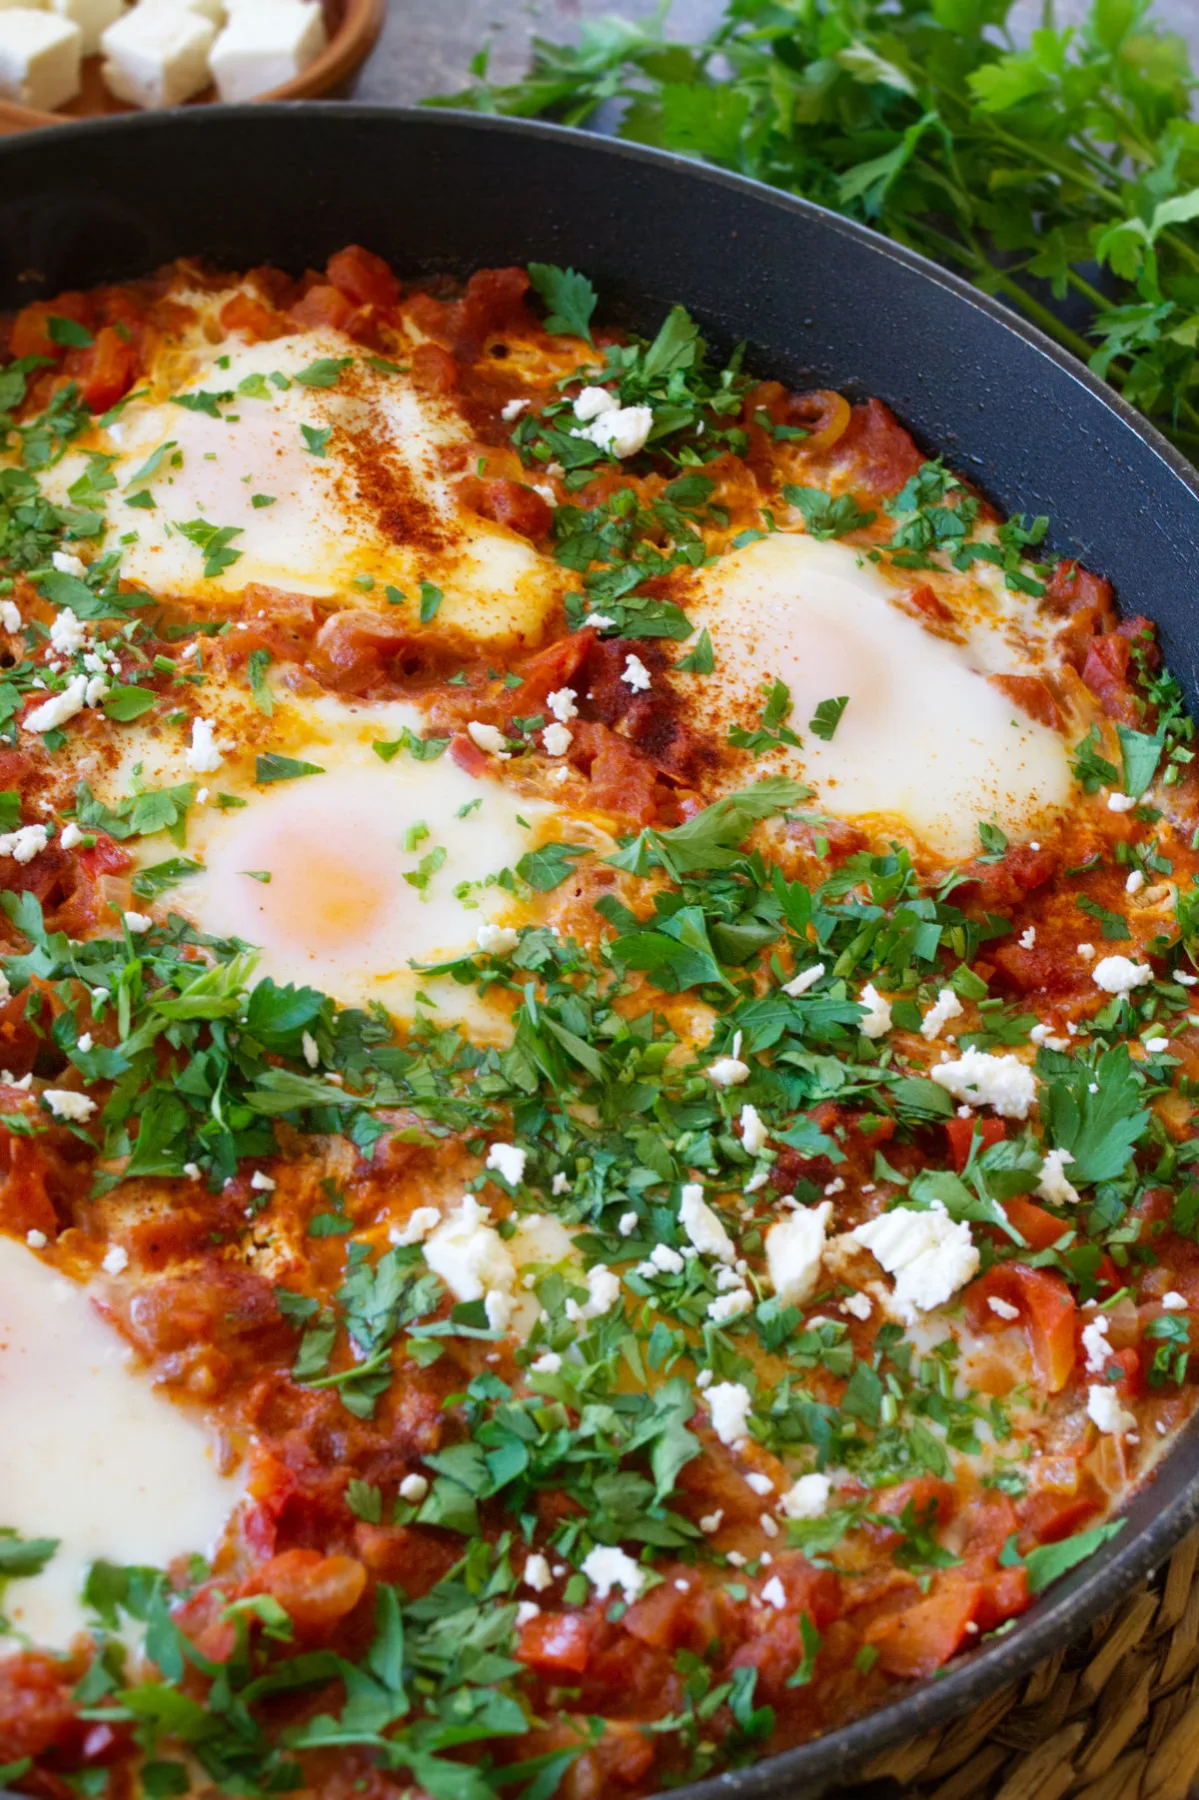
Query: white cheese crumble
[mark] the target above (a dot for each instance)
(606, 1568)
(509, 1161)
(1052, 1183)
(67, 564)
(469, 1254)
(1117, 802)
(948, 1007)
(203, 755)
(562, 706)
(70, 836)
(774, 1594)
(116, 1260)
(807, 1498)
(137, 922)
(1103, 1406)
(1086, 951)
(664, 1260)
(876, 1021)
(1003, 1309)
(727, 1071)
(799, 984)
(1027, 938)
(497, 940)
(557, 740)
(1155, 1045)
(1174, 1301)
(930, 1255)
(59, 707)
(68, 633)
(37, 1240)
(488, 738)
(414, 1489)
(761, 1484)
(417, 1226)
(858, 1306)
(1120, 975)
(1043, 1034)
(1095, 1344)
(620, 430)
(561, 1185)
(753, 1131)
(536, 1572)
(730, 1306)
(979, 1079)
(310, 1049)
(10, 615)
(636, 675)
(23, 844)
(794, 1247)
(512, 409)
(548, 1364)
(1135, 882)
(599, 621)
(702, 1226)
(64, 1103)
(261, 1183)
(603, 1291)
(729, 1404)
(590, 402)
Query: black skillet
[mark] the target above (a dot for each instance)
(821, 302)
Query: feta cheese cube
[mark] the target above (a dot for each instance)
(39, 58)
(157, 55)
(92, 17)
(212, 10)
(263, 46)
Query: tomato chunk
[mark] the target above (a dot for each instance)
(914, 1644)
(363, 277)
(962, 1132)
(555, 1644)
(1047, 1311)
(105, 370)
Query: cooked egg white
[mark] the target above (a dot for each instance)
(341, 878)
(926, 746)
(80, 1424)
(364, 498)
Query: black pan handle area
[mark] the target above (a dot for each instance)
(820, 301)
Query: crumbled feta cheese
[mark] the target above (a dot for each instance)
(729, 1404)
(23, 844)
(1052, 1184)
(663, 1259)
(599, 621)
(488, 738)
(560, 1184)
(702, 1226)
(10, 615)
(137, 922)
(710, 1522)
(310, 1050)
(774, 1594)
(626, 1225)
(68, 633)
(876, 1021)
(603, 1291)
(1185, 980)
(930, 1255)
(557, 740)
(807, 1498)
(1117, 802)
(116, 1260)
(948, 1007)
(1027, 938)
(753, 1131)
(37, 1240)
(70, 836)
(620, 430)
(1120, 975)
(799, 984)
(561, 704)
(526, 1612)
(1155, 1045)
(469, 1254)
(761, 1484)
(547, 1364)
(417, 1226)
(979, 1079)
(1095, 1345)
(509, 1161)
(497, 1309)
(192, 1171)
(512, 409)
(261, 1183)
(590, 402)
(64, 1103)
(1003, 1309)
(727, 1071)
(1174, 1301)
(203, 755)
(636, 675)
(414, 1488)
(497, 940)
(1086, 951)
(606, 1568)
(1043, 1034)
(858, 1306)
(1103, 1406)
(794, 1247)
(59, 707)
(536, 1572)
(730, 1306)
(1135, 882)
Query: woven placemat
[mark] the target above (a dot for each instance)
(1113, 1717)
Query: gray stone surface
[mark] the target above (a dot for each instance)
(427, 44)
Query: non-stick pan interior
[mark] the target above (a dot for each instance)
(818, 301)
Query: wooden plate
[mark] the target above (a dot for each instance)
(352, 27)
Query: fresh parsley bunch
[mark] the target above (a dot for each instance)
(1061, 175)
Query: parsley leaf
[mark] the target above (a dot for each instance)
(1141, 754)
(550, 865)
(272, 767)
(325, 372)
(569, 297)
(827, 717)
(214, 541)
(316, 440)
(824, 516)
(1095, 1112)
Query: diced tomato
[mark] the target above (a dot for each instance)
(513, 504)
(1004, 1594)
(915, 1643)
(925, 600)
(25, 1203)
(253, 318)
(30, 331)
(988, 1522)
(37, 1713)
(1132, 1381)
(876, 449)
(323, 305)
(466, 753)
(1105, 673)
(1038, 1228)
(1071, 587)
(1047, 1516)
(363, 277)
(315, 1591)
(932, 1502)
(670, 1616)
(105, 370)
(1032, 696)
(434, 369)
(494, 301)
(621, 781)
(962, 1133)
(555, 1644)
(1047, 1311)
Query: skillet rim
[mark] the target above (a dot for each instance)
(1059, 1618)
